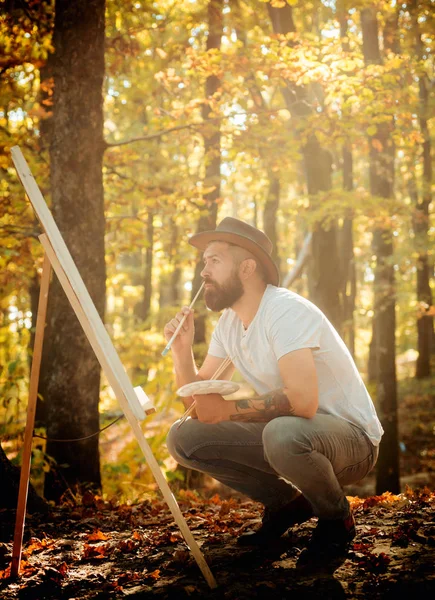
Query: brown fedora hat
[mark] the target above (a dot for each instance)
(241, 234)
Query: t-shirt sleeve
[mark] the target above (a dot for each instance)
(293, 327)
(216, 347)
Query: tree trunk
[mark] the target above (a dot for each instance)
(212, 154)
(347, 268)
(271, 206)
(381, 185)
(425, 329)
(270, 214)
(325, 276)
(70, 378)
(144, 308)
(348, 283)
(170, 283)
(10, 480)
(176, 269)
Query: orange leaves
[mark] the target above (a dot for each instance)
(63, 569)
(224, 510)
(97, 536)
(98, 552)
(37, 545)
(92, 550)
(425, 310)
(155, 574)
(6, 573)
(389, 500)
(125, 578)
(25, 569)
(385, 499)
(375, 563)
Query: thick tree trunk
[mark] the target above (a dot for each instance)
(71, 374)
(381, 185)
(325, 277)
(10, 482)
(372, 54)
(425, 325)
(212, 153)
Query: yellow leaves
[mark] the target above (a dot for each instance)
(349, 64)
(278, 3)
(367, 94)
(161, 53)
(371, 130)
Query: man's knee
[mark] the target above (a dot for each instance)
(176, 443)
(183, 441)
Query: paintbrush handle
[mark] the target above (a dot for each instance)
(181, 323)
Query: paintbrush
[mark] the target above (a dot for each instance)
(180, 325)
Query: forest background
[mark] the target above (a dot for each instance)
(145, 122)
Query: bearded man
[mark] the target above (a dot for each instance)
(312, 427)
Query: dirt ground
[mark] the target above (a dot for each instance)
(96, 550)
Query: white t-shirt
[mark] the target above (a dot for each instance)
(286, 322)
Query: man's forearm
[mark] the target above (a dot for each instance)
(263, 408)
(185, 368)
(185, 372)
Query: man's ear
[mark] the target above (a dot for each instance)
(247, 268)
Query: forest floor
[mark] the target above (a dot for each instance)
(92, 548)
(96, 550)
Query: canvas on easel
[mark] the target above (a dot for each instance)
(63, 265)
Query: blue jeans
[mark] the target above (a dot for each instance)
(273, 462)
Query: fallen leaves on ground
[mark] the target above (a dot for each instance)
(95, 548)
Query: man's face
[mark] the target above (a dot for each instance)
(223, 286)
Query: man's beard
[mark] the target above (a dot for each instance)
(223, 295)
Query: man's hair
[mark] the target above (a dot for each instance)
(240, 254)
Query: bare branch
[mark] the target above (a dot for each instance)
(195, 126)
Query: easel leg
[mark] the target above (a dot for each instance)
(30, 423)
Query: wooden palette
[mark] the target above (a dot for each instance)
(208, 386)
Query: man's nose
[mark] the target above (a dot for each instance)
(204, 272)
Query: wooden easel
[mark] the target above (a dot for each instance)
(30, 422)
(58, 258)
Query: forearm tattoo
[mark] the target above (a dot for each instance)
(263, 408)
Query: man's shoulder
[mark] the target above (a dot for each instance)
(282, 300)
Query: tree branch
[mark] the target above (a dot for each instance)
(196, 126)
